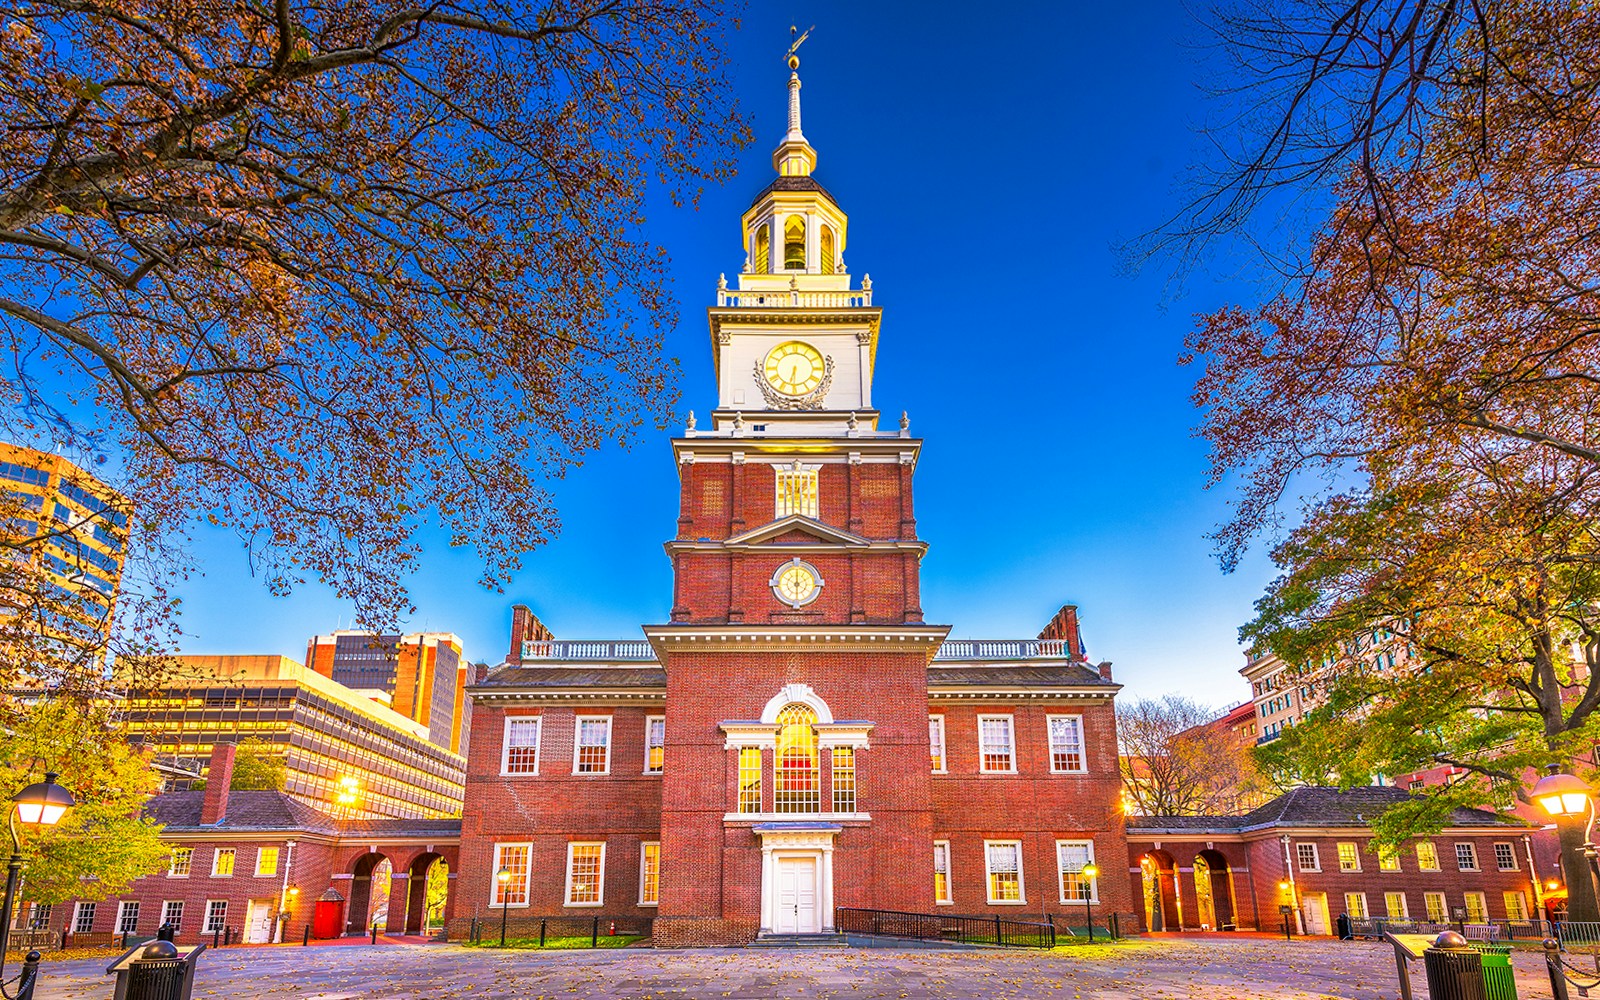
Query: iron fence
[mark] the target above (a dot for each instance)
(1482, 930)
(958, 929)
(553, 932)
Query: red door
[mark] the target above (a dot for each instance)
(328, 919)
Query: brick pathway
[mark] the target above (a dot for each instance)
(1213, 969)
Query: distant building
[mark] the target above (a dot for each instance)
(345, 753)
(422, 676)
(1242, 722)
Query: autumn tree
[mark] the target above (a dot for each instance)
(258, 766)
(1412, 418)
(1176, 761)
(322, 273)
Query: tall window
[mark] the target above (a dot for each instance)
(1072, 856)
(936, 742)
(1434, 902)
(749, 779)
(1394, 906)
(1467, 857)
(1388, 859)
(128, 916)
(222, 862)
(178, 865)
(994, 740)
(796, 784)
(172, 914)
(216, 915)
(763, 254)
(83, 918)
(797, 493)
(1516, 905)
(516, 860)
(586, 868)
(1477, 908)
(827, 249)
(1427, 857)
(1355, 904)
(266, 862)
(844, 779)
(1349, 857)
(941, 871)
(593, 752)
(1003, 866)
(1306, 855)
(650, 875)
(1066, 743)
(1505, 857)
(521, 754)
(655, 743)
(794, 243)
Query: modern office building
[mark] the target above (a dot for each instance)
(422, 676)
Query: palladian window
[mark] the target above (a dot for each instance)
(797, 779)
(763, 254)
(794, 243)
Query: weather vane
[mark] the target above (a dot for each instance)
(792, 55)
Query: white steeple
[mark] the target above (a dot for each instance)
(794, 157)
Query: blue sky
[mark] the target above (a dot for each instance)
(990, 164)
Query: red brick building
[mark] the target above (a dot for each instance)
(796, 738)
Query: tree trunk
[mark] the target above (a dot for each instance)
(1575, 868)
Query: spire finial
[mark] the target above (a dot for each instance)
(794, 156)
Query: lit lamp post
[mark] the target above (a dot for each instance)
(41, 804)
(1088, 873)
(503, 876)
(1568, 799)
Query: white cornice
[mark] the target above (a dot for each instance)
(978, 692)
(765, 638)
(519, 693)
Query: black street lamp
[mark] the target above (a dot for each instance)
(42, 803)
(503, 876)
(1088, 873)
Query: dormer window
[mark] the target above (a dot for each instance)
(794, 244)
(827, 250)
(797, 493)
(763, 254)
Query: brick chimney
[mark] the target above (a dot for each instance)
(214, 806)
(525, 627)
(1105, 670)
(1065, 626)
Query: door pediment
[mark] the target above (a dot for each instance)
(795, 530)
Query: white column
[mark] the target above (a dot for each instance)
(825, 875)
(767, 875)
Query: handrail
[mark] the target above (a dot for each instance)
(1001, 649)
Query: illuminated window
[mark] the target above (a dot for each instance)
(222, 862)
(1066, 743)
(763, 254)
(1516, 905)
(1434, 903)
(1427, 857)
(936, 742)
(593, 751)
(586, 866)
(1003, 867)
(1394, 906)
(650, 875)
(83, 918)
(941, 871)
(827, 250)
(1477, 907)
(1349, 857)
(655, 743)
(796, 781)
(266, 861)
(521, 753)
(794, 243)
(994, 741)
(512, 858)
(172, 914)
(844, 779)
(182, 858)
(1355, 904)
(1308, 858)
(1467, 857)
(1388, 858)
(797, 493)
(1505, 857)
(1072, 856)
(216, 916)
(128, 916)
(749, 779)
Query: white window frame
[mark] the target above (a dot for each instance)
(643, 871)
(1405, 904)
(122, 913)
(1083, 745)
(1094, 883)
(649, 720)
(538, 746)
(936, 723)
(949, 887)
(77, 915)
(277, 859)
(1434, 850)
(187, 853)
(216, 858)
(166, 912)
(804, 485)
(1444, 906)
(988, 874)
(577, 736)
(1483, 906)
(1011, 736)
(207, 926)
(572, 847)
(494, 876)
(1511, 852)
(1337, 850)
(1394, 857)
(1471, 849)
(1300, 856)
(1366, 911)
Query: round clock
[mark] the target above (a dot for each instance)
(796, 583)
(794, 368)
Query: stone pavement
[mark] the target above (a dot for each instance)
(1215, 968)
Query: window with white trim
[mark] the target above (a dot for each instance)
(936, 742)
(586, 872)
(1355, 904)
(83, 918)
(941, 872)
(749, 779)
(1066, 744)
(1516, 904)
(592, 751)
(1427, 856)
(995, 745)
(216, 916)
(1467, 857)
(1307, 857)
(520, 754)
(1072, 857)
(266, 862)
(222, 862)
(516, 860)
(1349, 856)
(1477, 907)
(649, 874)
(172, 914)
(1505, 856)
(128, 916)
(1433, 902)
(797, 493)
(655, 743)
(844, 779)
(1394, 906)
(178, 865)
(1388, 858)
(1002, 862)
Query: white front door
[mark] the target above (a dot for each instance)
(258, 922)
(1315, 907)
(797, 896)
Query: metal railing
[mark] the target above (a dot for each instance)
(789, 298)
(1000, 931)
(554, 932)
(1482, 930)
(638, 650)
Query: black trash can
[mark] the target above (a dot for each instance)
(1454, 968)
(158, 970)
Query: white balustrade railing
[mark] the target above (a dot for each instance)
(792, 299)
(1000, 649)
(639, 649)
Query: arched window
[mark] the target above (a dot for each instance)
(794, 244)
(763, 254)
(827, 250)
(796, 777)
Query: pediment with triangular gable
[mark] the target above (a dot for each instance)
(794, 530)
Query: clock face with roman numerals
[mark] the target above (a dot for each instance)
(794, 368)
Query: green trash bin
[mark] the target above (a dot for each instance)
(1498, 982)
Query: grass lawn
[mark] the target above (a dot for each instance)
(552, 941)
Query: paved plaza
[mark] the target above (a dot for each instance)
(1214, 969)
